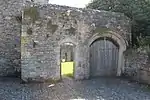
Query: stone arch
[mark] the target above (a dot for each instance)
(70, 40)
(122, 47)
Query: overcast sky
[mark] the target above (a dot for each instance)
(72, 3)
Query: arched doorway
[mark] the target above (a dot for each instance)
(67, 59)
(104, 55)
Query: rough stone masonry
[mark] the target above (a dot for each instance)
(41, 29)
(10, 29)
(46, 27)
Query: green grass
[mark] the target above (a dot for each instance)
(67, 69)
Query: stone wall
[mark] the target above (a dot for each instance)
(137, 65)
(46, 27)
(38, 1)
(10, 28)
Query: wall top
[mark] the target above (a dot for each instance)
(38, 1)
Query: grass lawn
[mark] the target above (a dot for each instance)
(67, 68)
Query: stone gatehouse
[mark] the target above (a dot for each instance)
(46, 28)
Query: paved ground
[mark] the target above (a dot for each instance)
(95, 89)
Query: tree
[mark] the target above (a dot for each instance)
(137, 10)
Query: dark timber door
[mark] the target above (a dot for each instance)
(103, 58)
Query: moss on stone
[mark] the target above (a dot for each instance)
(51, 26)
(101, 30)
(19, 19)
(130, 53)
(71, 30)
(32, 12)
(29, 31)
(24, 40)
(64, 17)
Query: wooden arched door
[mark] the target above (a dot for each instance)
(104, 55)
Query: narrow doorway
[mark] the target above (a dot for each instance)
(67, 60)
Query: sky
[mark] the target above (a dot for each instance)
(72, 3)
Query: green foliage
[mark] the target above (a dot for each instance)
(144, 41)
(137, 10)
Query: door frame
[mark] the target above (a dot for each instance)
(74, 57)
(122, 47)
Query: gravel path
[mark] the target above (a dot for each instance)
(95, 89)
